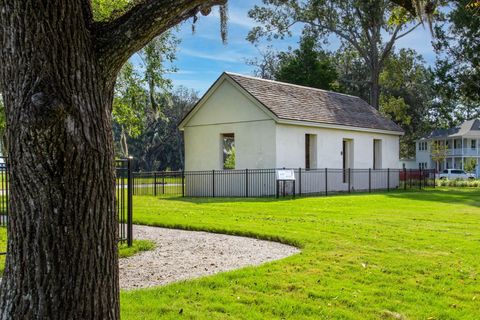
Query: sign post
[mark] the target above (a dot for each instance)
(283, 176)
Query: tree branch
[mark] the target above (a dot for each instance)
(342, 35)
(117, 40)
(407, 32)
(389, 45)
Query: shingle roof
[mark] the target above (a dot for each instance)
(468, 127)
(293, 102)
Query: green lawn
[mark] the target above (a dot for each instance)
(395, 255)
(385, 256)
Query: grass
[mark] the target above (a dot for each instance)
(384, 256)
(137, 246)
(124, 250)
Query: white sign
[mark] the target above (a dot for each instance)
(285, 175)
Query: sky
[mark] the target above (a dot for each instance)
(202, 56)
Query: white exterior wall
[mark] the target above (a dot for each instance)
(290, 149)
(227, 110)
(423, 156)
(254, 146)
(409, 163)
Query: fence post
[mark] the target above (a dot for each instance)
(246, 183)
(326, 182)
(434, 178)
(213, 183)
(299, 182)
(404, 178)
(129, 204)
(410, 178)
(155, 183)
(134, 184)
(277, 188)
(388, 179)
(349, 179)
(163, 182)
(420, 177)
(183, 183)
(369, 180)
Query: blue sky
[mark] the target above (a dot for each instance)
(202, 56)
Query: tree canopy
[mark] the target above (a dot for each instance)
(307, 66)
(457, 43)
(371, 28)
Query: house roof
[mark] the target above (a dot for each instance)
(298, 103)
(468, 128)
(293, 102)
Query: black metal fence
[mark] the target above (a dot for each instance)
(263, 183)
(124, 192)
(4, 188)
(124, 203)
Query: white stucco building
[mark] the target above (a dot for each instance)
(275, 125)
(462, 142)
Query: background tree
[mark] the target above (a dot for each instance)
(265, 64)
(470, 165)
(160, 144)
(129, 107)
(141, 89)
(439, 153)
(361, 25)
(457, 43)
(352, 73)
(407, 96)
(230, 160)
(307, 66)
(58, 71)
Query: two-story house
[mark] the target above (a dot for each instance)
(462, 142)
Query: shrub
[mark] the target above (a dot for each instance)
(461, 183)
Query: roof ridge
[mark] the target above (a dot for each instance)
(290, 84)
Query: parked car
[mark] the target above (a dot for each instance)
(452, 174)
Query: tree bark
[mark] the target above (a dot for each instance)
(375, 88)
(57, 73)
(62, 231)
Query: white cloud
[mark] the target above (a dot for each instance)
(225, 56)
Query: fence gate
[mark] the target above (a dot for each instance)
(123, 190)
(124, 205)
(4, 183)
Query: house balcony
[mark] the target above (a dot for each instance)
(467, 152)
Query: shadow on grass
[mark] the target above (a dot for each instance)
(205, 200)
(468, 196)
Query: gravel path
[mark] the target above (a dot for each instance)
(181, 255)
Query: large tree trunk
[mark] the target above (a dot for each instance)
(62, 232)
(57, 72)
